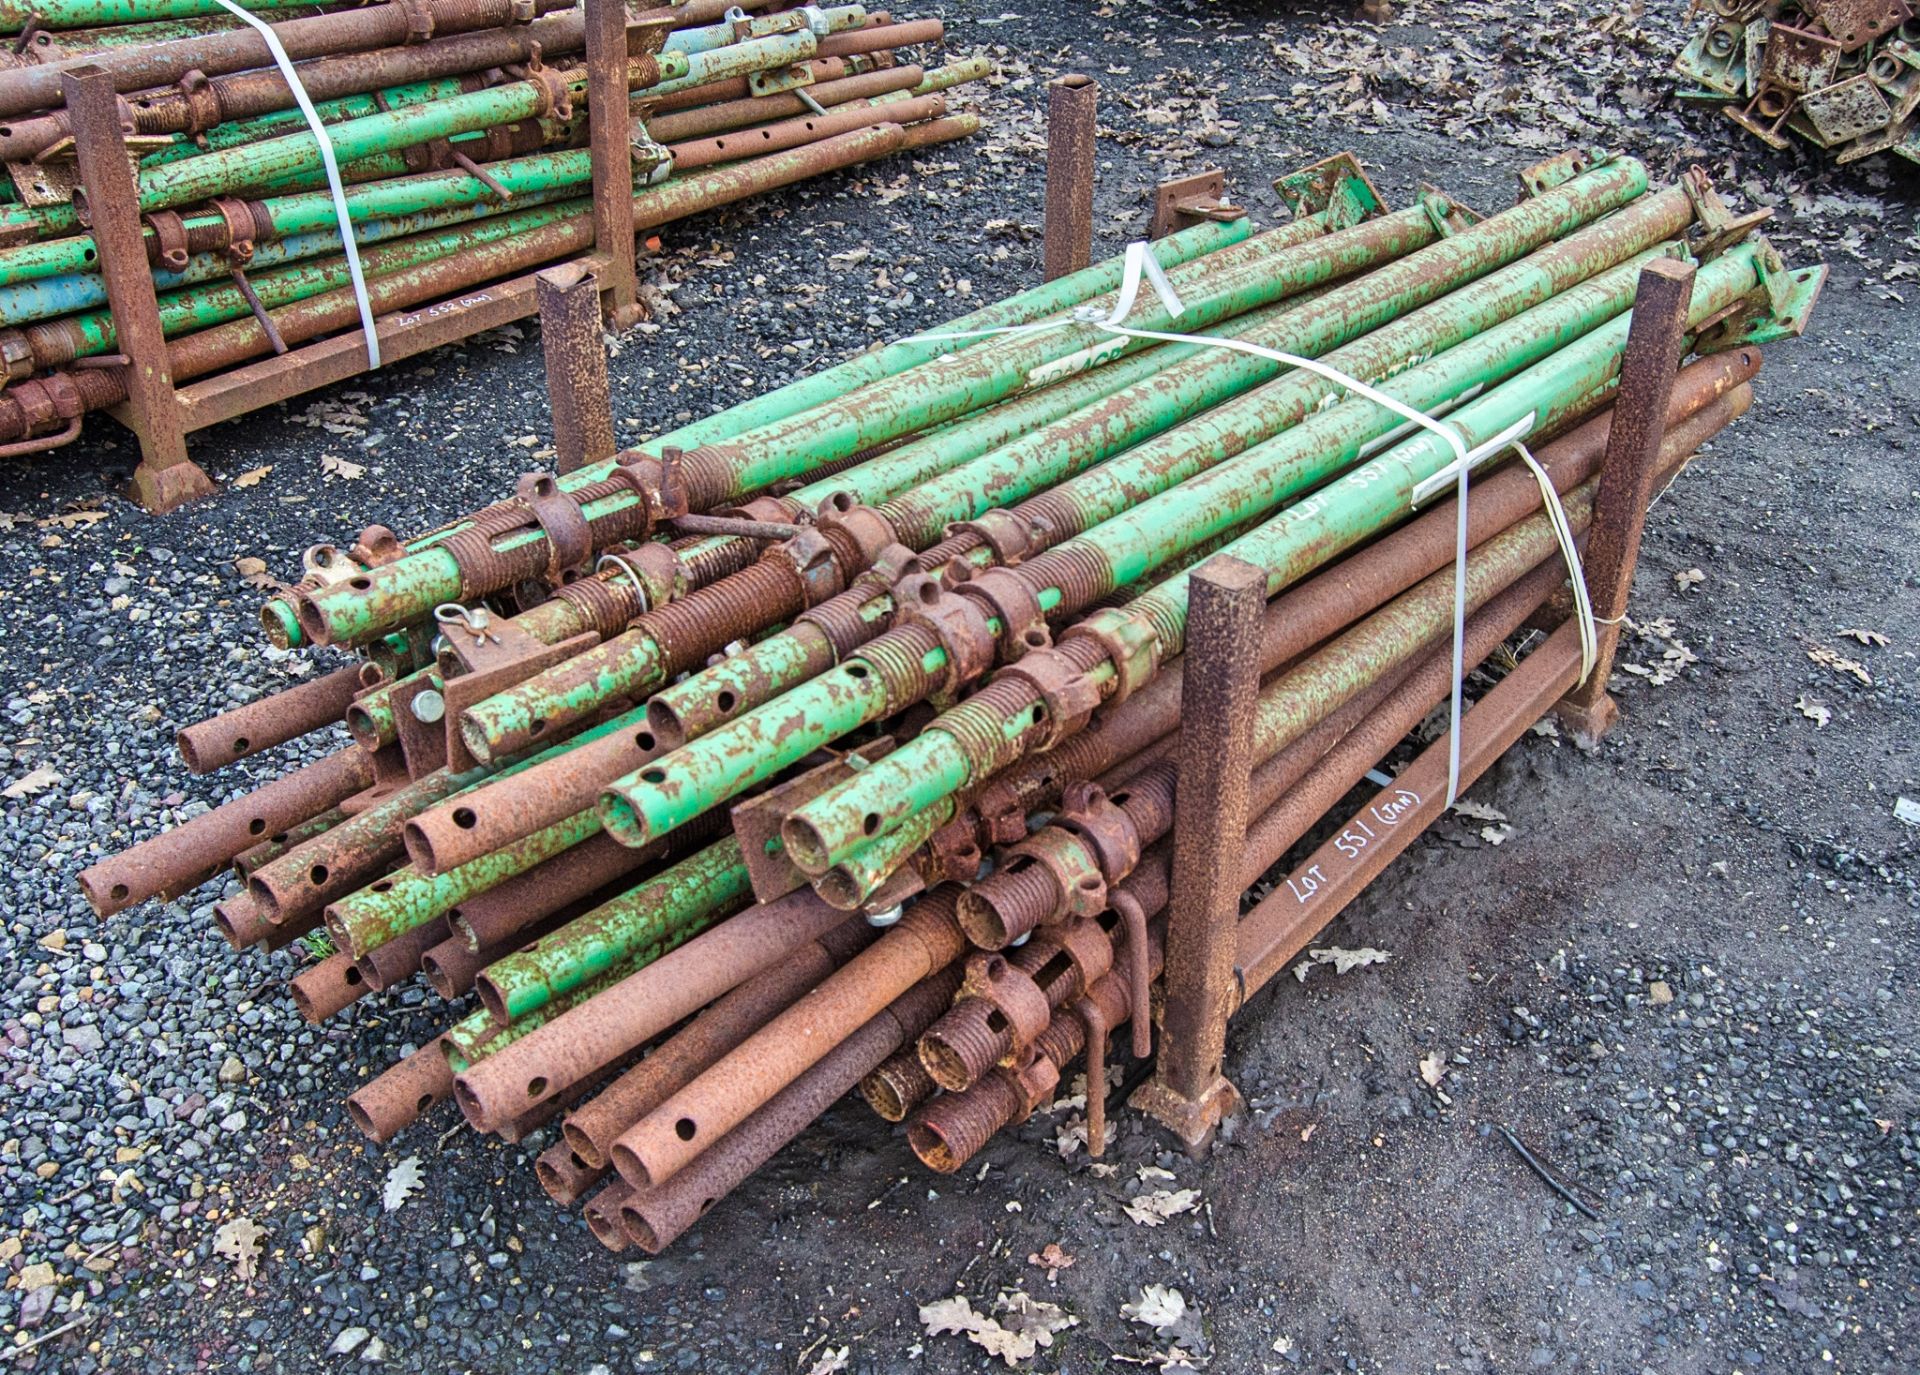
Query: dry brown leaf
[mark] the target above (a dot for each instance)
(1053, 1258)
(1433, 1068)
(1157, 1307)
(1150, 1210)
(251, 478)
(73, 520)
(1872, 638)
(254, 572)
(1688, 578)
(340, 468)
(38, 781)
(1813, 709)
(239, 1241)
(1840, 663)
(1018, 1328)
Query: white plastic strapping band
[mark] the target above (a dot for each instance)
(321, 137)
(1140, 264)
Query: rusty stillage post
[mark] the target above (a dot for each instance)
(576, 358)
(1654, 342)
(609, 126)
(1068, 239)
(166, 477)
(1188, 1093)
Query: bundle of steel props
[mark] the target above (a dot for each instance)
(1842, 74)
(720, 795)
(458, 127)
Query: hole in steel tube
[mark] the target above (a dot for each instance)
(464, 818)
(929, 592)
(1017, 863)
(644, 740)
(118, 892)
(426, 1101)
(536, 1086)
(996, 1021)
(1090, 883)
(240, 745)
(317, 875)
(707, 1203)
(279, 839)
(353, 975)
(685, 1129)
(856, 671)
(654, 776)
(724, 701)
(256, 826)
(1119, 799)
(383, 886)
(1035, 637)
(360, 584)
(539, 724)
(996, 967)
(870, 823)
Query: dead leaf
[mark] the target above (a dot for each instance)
(340, 468)
(73, 520)
(1157, 1307)
(403, 1182)
(1022, 1327)
(1052, 1258)
(1840, 663)
(239, 1241)
(1150, 1210)
(253, 572)
(1479, 811)
(1813, 709)
(1433, 1068)
(1341, 959)
(1071, 1135)
(251, 478)
(1496, 835)
(1688, 578)
(38, 781)
(832, 1361)
(1872, 638)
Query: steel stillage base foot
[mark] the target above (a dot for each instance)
(160, 490)
(1193, 1121)
(1588, 722)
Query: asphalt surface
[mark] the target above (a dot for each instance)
(1680, 971)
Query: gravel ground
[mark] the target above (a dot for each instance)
(1683, 975)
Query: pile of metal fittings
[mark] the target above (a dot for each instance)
(459, 129)
(1842, 74)
(825, 742)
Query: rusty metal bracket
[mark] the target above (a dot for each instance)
(957, 622)
(1184, 202)
(1718, 227)
(993, 979)
(1008, 598)
(569, 537)
(1131, 643)
(1069, 695)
